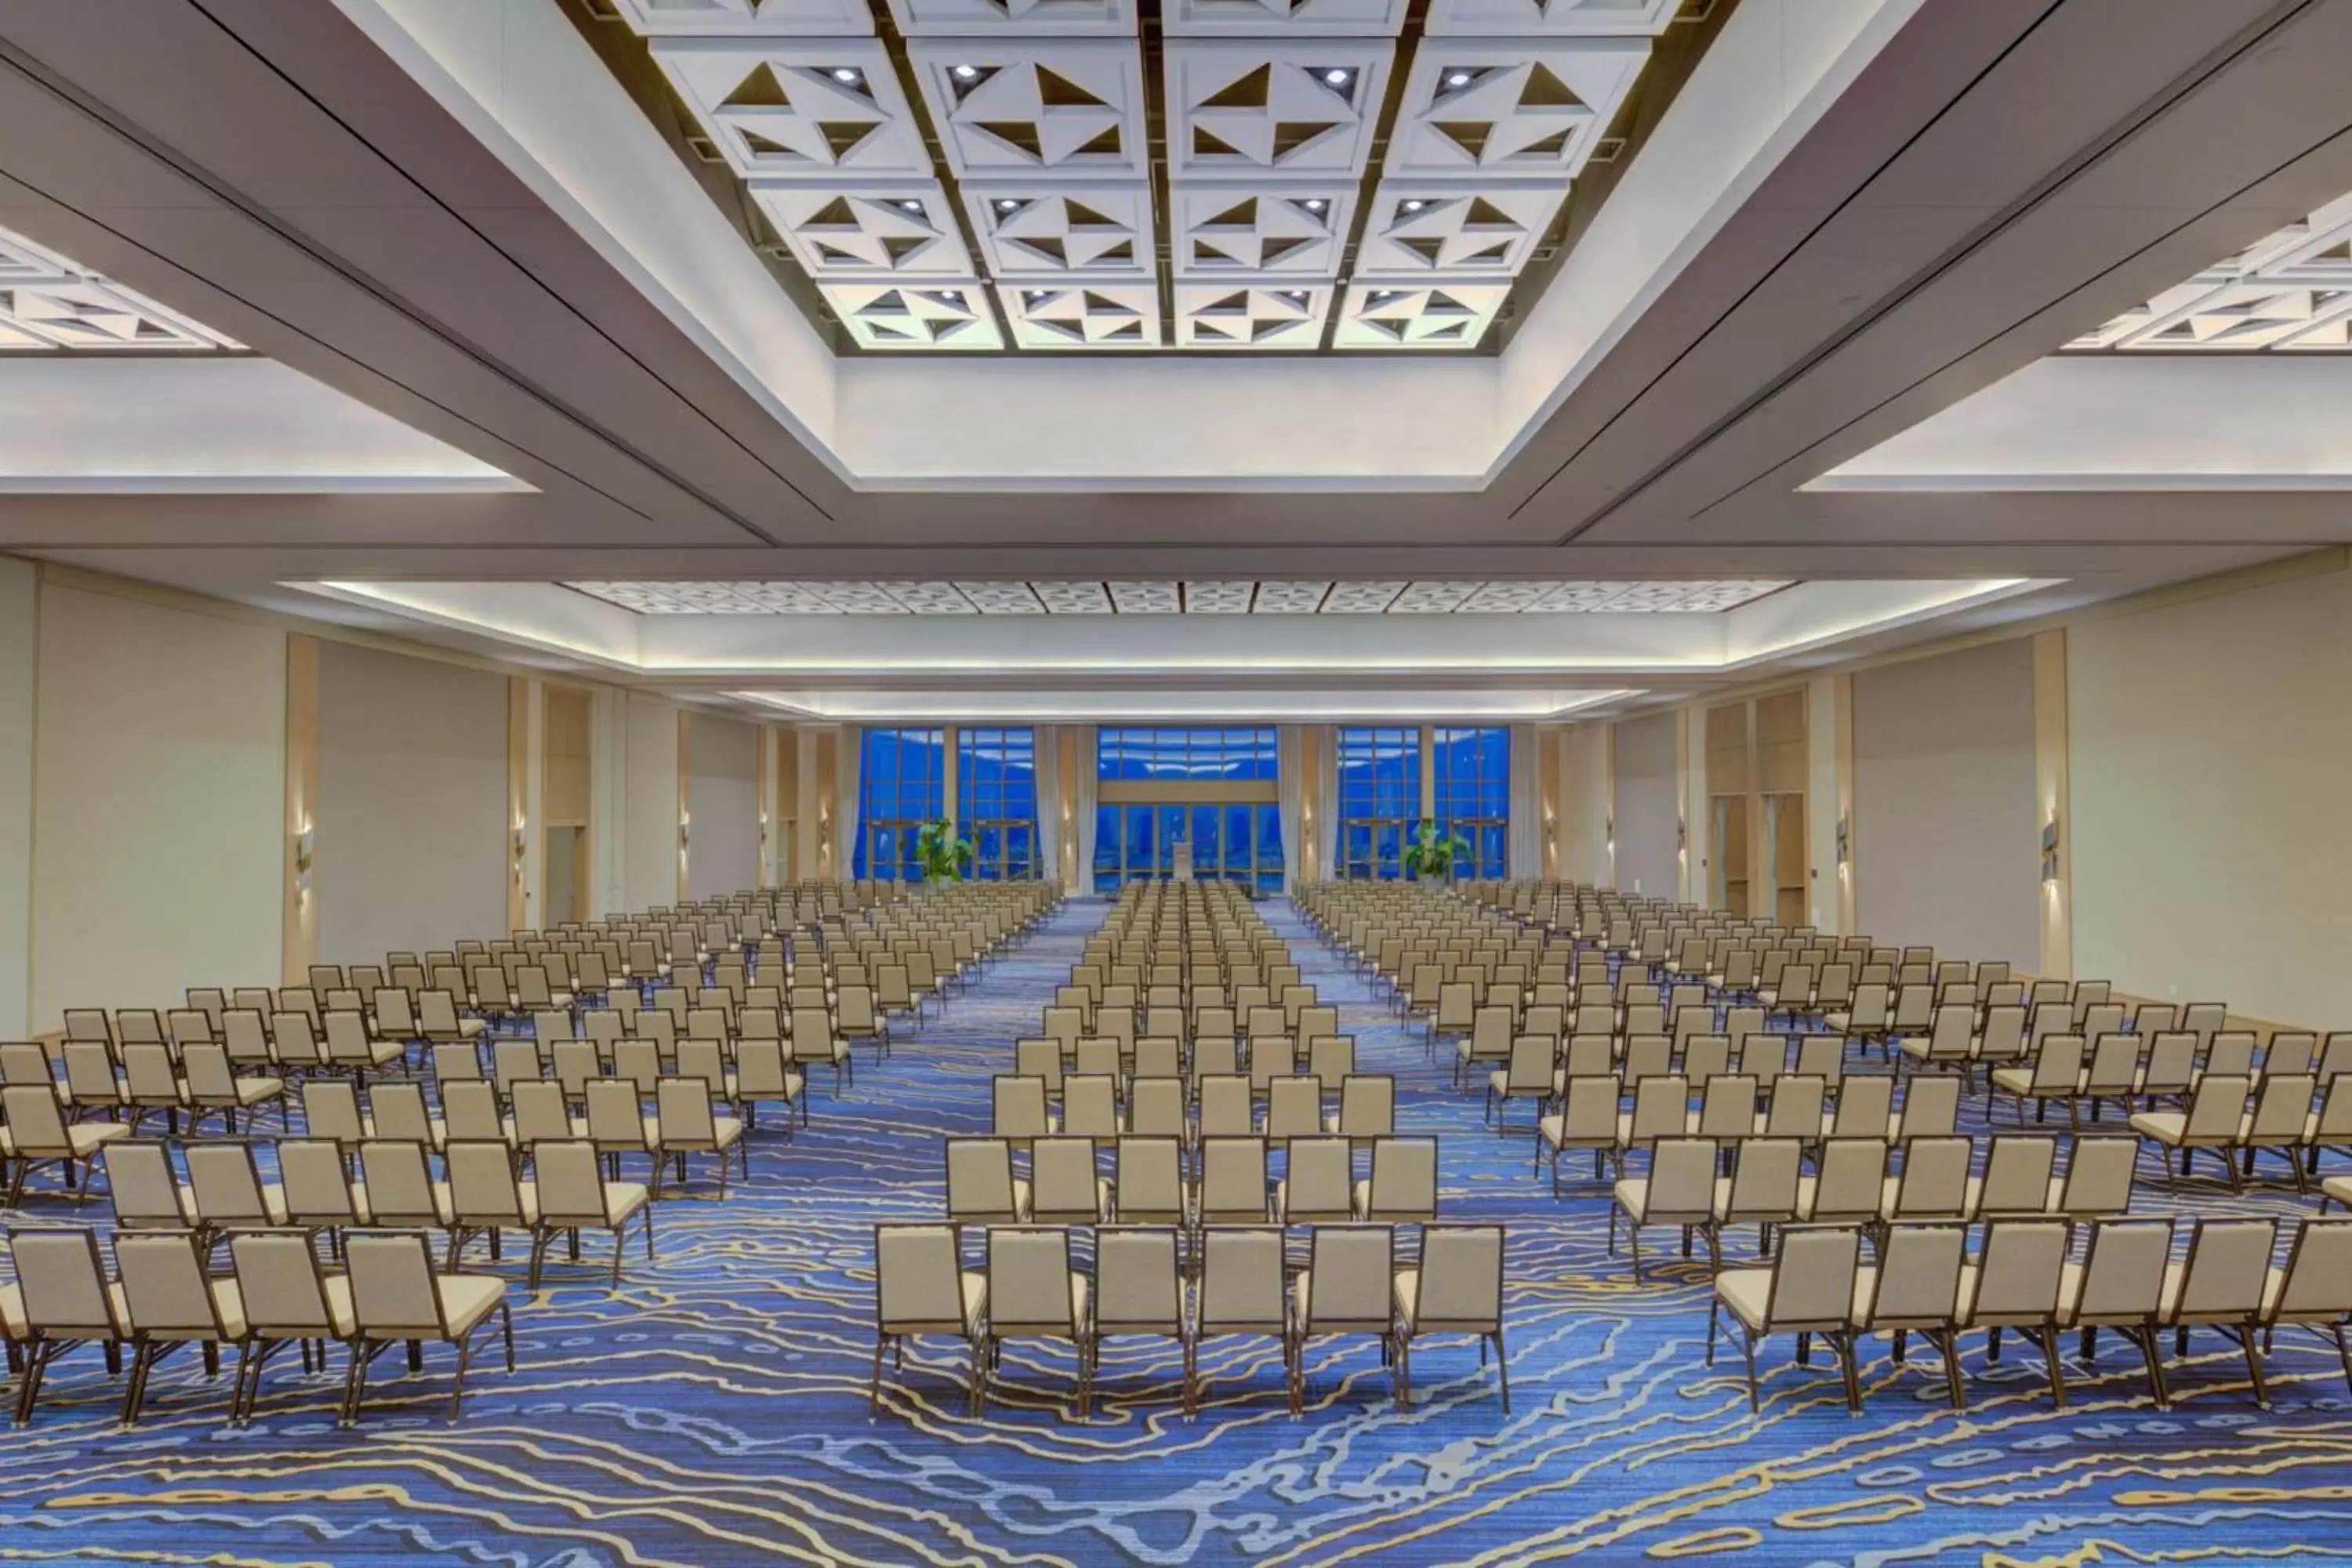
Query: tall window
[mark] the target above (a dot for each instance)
(1380, 799)
(996, 800)
(1211, 789)
(1247, 755)
(1472, 769)
(901, 784)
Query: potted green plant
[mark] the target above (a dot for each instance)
(1429, 855)
(944, 854)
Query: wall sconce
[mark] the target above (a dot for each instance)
(2050, 850)
(1681, 837)
(305, 843)
(685, 826)
(521, 847)
(1844, 842)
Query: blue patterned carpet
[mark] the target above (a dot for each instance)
(714, 1411)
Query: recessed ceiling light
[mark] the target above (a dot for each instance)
(1458, 79)
(1032, 295)
(911, 204)
(966, 73)
(844, 73)
(1297, 294)
(1337, 78)
(1006, 204)
(1415, 204)
(1316, 204)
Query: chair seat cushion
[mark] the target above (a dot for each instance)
(2164, 1126)
(1746, 1292)
(468, 1299)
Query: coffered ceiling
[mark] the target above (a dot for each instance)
(51, 305)
(1216, 175)
(2290, 292)
(1056, 597)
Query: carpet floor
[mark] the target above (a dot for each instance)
(714, 1409)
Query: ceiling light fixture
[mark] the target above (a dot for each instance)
(1316, 204)
(1415, 204)
(846, 74)
(1459, 79)
(912, 205)
(966, 73)
(1336, 78)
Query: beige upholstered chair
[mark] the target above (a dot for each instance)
(1456, 1289)
(1915, 1289)
(1033, 1293)
(60, 1301)
(572, 1196)
(166, 1299)
(2015, 1283)
(1241, 1292)
(1808, 1290)
(396, 1296)
(1679, 1190)
(921, 1288)
(2120, 1285)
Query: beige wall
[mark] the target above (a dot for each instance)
(1585, 786)
(2209, 828)
(1946, 841)
(159, 793)
(412, 845)
(651, 822)
(722, 795)
(1647, 796)
(19, 647)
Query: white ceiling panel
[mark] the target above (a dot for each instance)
(1089, 314)
(2291, 290)
(1239, 230)
(1448, 315)
(874, 231)
(1543, 18)
(1052, 231)
(1421, 229)
(799, 108)
(1163, 597)
(1290, 598)
(1251, 313)
(1146, 598)
(1218, 598)
(780, 19)
(1225, 18)
(1024, 19)
(924, 315)
(1247, 111)
(1008, 108)
(1508, 107)
(47, 302)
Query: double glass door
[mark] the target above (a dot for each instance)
(1235, 843)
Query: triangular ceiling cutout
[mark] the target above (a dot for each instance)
(1427, 250)
(1206, 144)
(762, 89)
(1261, 331)
(1274, 251)
(1470, 136)
(1441, 303)
(1552, 145)
(1452, 330)
(889, 335)
(836, 214)
(1207, 255)
(1123, 251)
(1249, 91)
(946, 299)
(1485, 214)
(1230, 305)
(1498, 253)
(1241, 214)
(1081, 216)
(1098, 304)
(1290, 135)
(941, 330)
(1048, 247)
(1107, 144)
(1129, 331)
(1016, 133)
(1205, 330)
(899, 247)
(760, 146)
(1057, 91)
(842, 136)
(827, 253)
(890, 304)
(1392, 330)
(1543, 89)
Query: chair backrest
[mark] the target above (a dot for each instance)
(1019, 1106)
(1029, 1280)
(2318, 1282)
(1934, 1180)
(392, 1284)
(980, 1179)
(2019, 1269)
(1931, 1106)
(1851, 1181)
(469, 1108)
(1865, 1105)
(1294, 1107)
(2099, 1176)
(399, 1183)
(2016, 1175)
(2123, 1273)
(62, 1281)
(1918, 1279)
(2227, 1266)
(1062, 1179)
(1404, 1179)
(164, 1290)
(1367, 1105)
(140, 1184)
(1137, 1284)
(1812, 1277)
(2216, 1108)
(1149, 1175)
(1319, 1183)
(1233, 1176)
(482, 1184)
(1350, 1274)
(1242, 1282)
(1227, 1107)
(1461, 1278)
(1682, 1179)
(226, 1184)
(280, 1285)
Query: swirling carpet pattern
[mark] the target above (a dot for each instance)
(714, 1409)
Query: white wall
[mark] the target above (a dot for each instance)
(2210, 827)
(722, 795)
(1648, 804)
(1821, 802)
(1947, 848)
(1584, 788)
(19, 650)
(159, 856)
(412, 847)
(652, 812)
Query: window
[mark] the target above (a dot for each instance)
(1380, 799)
(996, 800)
(1188, 754)
(1472, 769)
(901, 784)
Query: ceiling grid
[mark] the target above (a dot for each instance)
(1163, 597)
(1215, 175)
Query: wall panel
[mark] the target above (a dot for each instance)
(723, 798)
(19, 659)
(1946, 842)
(159, 799)
(652, 792)
(412, 822)
(1648, 802)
